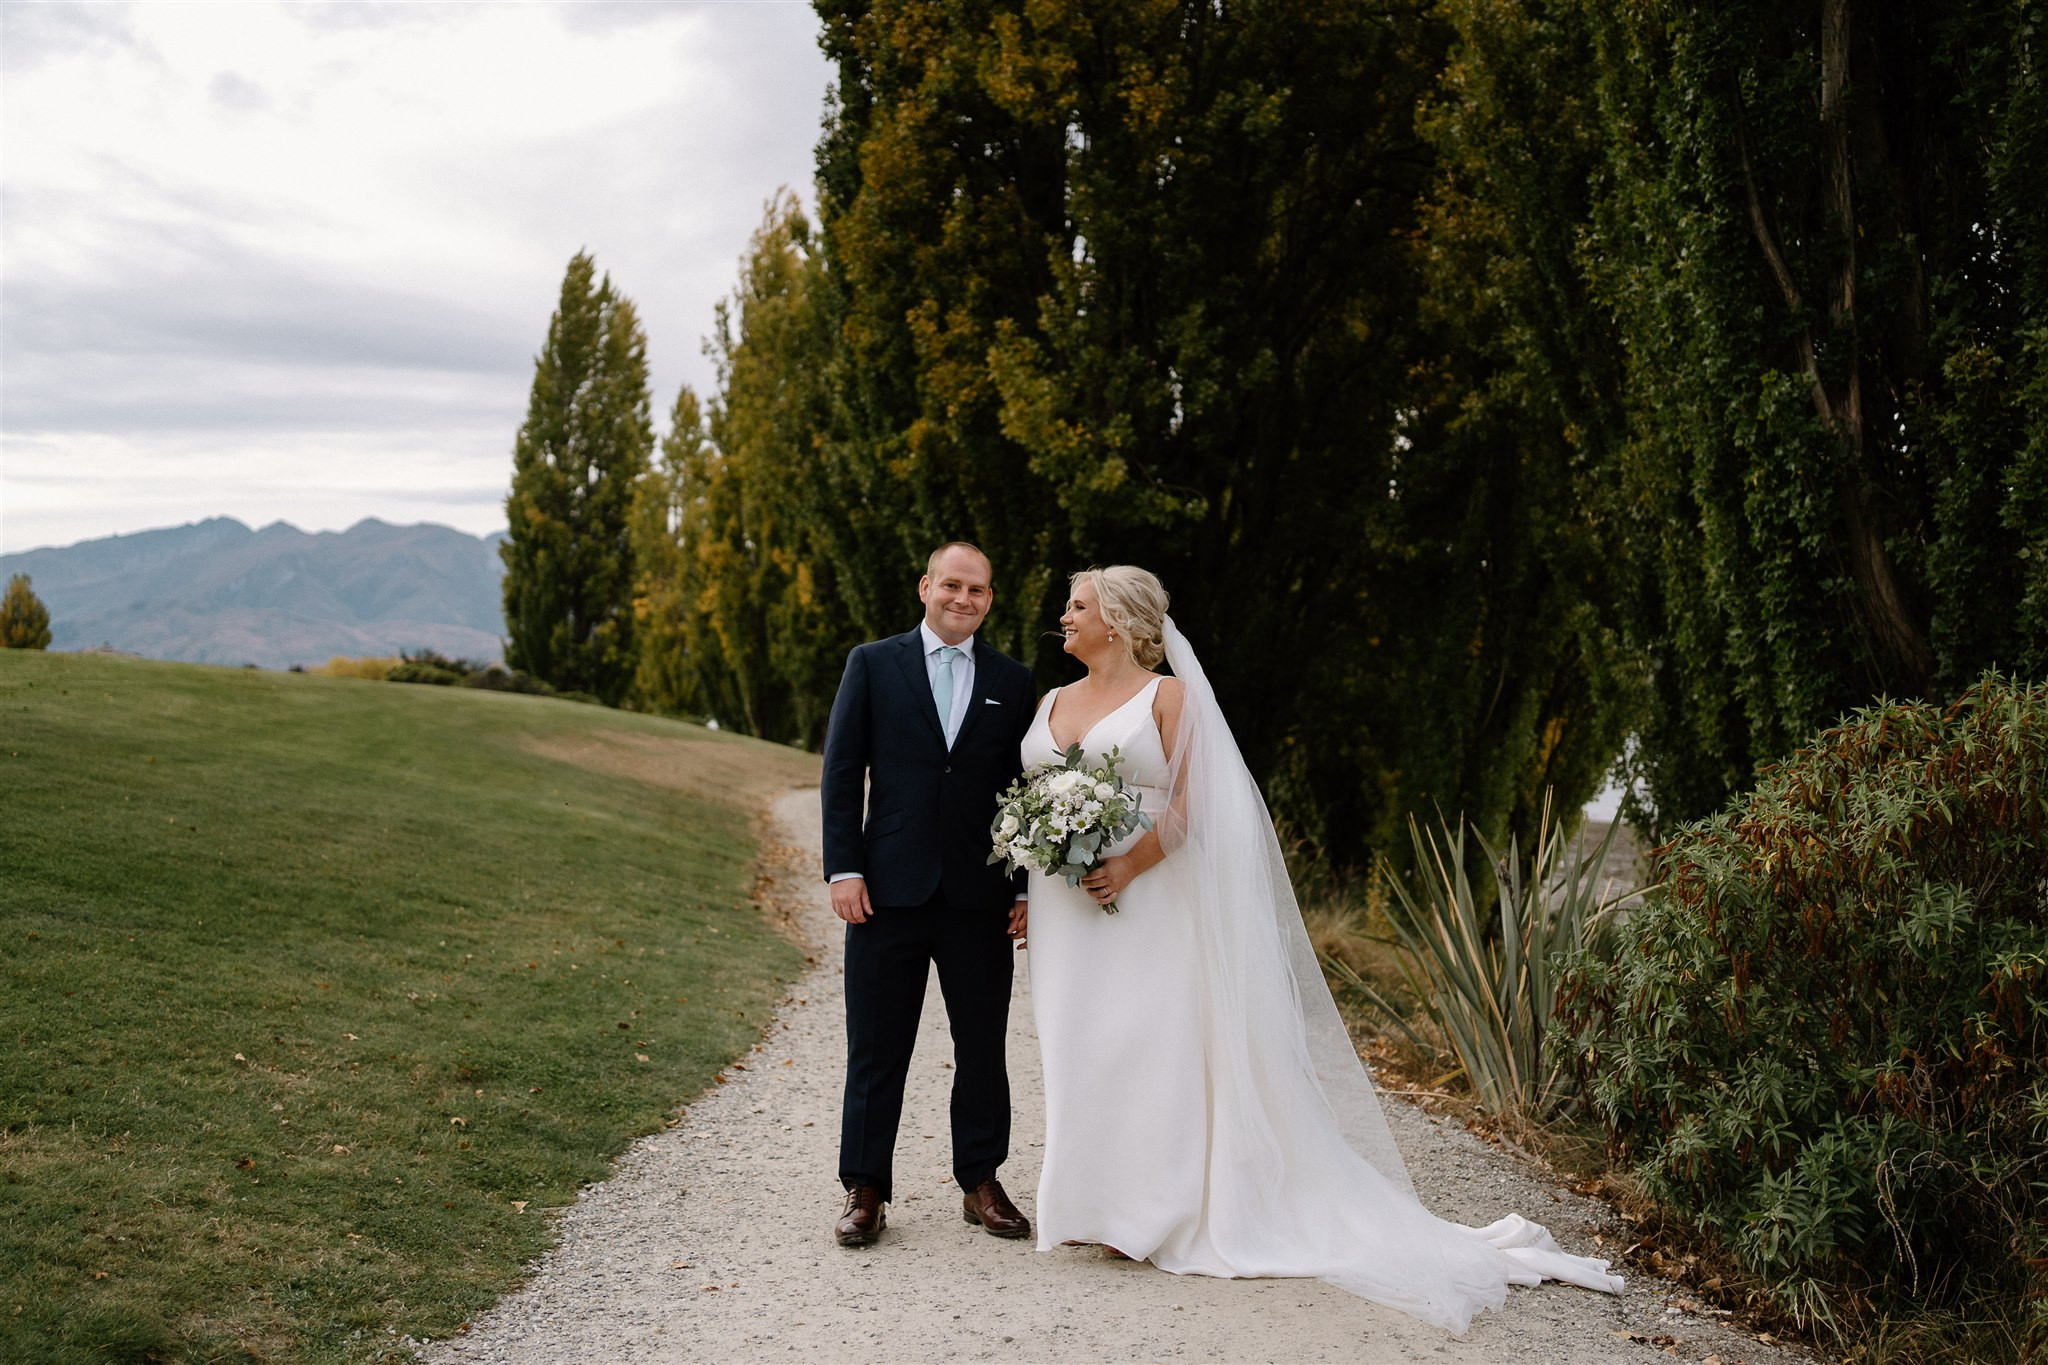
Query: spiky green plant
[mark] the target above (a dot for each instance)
(1483, 958)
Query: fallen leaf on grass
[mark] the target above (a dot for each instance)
(246, 1164)
(640, 1057)
(340, 1150)
(458, 1121)
(240, 1058)
(99, 1274)
(519, 1206)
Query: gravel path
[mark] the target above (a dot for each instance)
(713, 1239)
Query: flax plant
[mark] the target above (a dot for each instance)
(1483, 960)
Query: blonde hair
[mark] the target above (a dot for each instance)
(1133, 604)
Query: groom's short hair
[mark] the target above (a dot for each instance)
(931, 562)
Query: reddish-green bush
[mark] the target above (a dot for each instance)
(1825, 1037)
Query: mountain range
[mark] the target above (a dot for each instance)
(217, 592)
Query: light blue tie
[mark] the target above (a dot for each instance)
(942, 689)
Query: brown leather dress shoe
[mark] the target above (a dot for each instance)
(863, 1220)
(987, 1205)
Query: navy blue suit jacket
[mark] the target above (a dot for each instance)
(926, 824)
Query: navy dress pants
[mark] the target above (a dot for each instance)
(888, 960)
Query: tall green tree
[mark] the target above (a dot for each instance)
(586, 441)
(666, 677)
(777, 530)
(737, 585)
(1141, 282)
(1772, 276)
(1827, 284)
(24, 620)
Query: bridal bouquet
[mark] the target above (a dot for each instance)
(1059, 817)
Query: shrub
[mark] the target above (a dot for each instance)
(437, 669)
(1823, 1037)
(425, 666)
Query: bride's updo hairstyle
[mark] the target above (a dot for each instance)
(1133, 604)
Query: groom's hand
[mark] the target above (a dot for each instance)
(1020, 915)
(850, 900)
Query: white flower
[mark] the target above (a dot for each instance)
(1065, 781)
(1009, 825)
(1103, 791)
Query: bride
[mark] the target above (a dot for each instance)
(1205, 1110)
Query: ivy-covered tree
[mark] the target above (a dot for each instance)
(24, 620)
(1771, 279)
(1824, 262)
(586, 441)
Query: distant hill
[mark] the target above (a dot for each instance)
(216, 592)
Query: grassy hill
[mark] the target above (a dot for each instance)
(318, 993)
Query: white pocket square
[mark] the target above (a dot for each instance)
(990, 701)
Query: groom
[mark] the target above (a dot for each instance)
(932, 722)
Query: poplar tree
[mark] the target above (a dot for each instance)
(586, 441)
(1141, 283)
(670, 652)
(24, 621)
(1776, 277)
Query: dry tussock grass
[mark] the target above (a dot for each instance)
(369, 670)
(703, 763)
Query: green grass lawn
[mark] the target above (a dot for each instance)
(317, 993)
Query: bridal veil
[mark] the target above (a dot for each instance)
(1305, 1178)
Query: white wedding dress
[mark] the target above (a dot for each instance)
(1205, 1110)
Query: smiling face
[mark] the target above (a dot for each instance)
(956, 593)
(1087, 635)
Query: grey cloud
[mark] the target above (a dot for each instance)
(367, 14)
(31, 35)
(236, 91)
(600, 17)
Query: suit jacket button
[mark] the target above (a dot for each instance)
(949, 767)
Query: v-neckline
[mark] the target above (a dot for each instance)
(1089, 733)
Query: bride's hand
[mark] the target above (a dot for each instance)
(1109, 878)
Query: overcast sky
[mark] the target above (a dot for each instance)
(291, 261)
